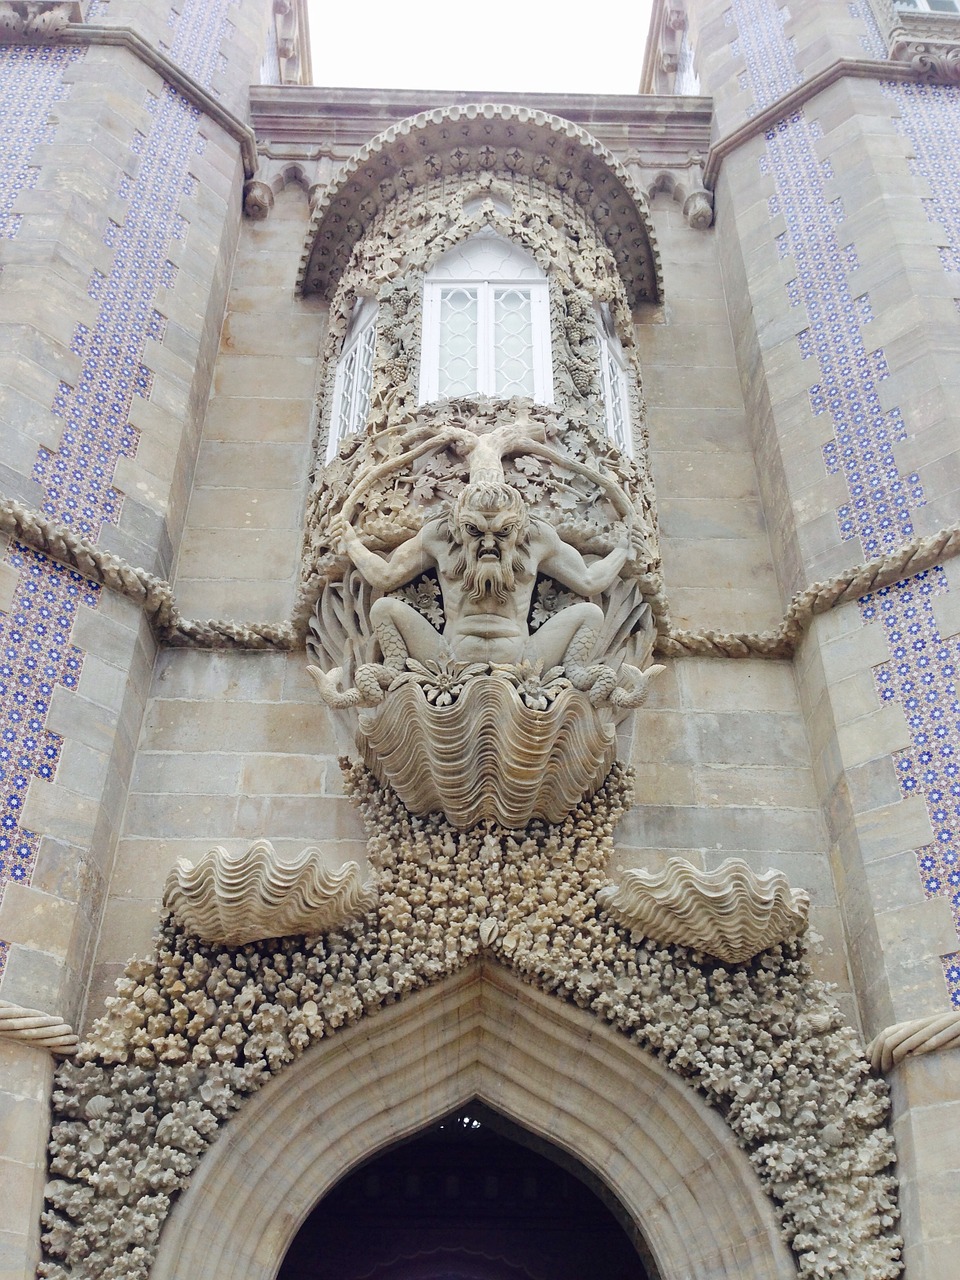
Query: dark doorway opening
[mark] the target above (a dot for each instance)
(473, 1198)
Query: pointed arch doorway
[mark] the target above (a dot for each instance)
(474, 1197)
(553, 1069)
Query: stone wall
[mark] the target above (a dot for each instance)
(119, 220)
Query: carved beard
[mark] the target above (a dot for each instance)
(486, 577)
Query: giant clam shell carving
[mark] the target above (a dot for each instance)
(246, 897)
(732, 913)
(488, 756)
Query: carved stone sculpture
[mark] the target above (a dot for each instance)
(731, 913)
(485, 718)
(255, 895)
(34, 21)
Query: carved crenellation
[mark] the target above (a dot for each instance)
(36, 21)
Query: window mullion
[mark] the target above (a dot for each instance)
(486, 375)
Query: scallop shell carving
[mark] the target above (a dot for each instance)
(488, 756)
(731, 913)
(246, 897)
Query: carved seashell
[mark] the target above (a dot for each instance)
(254, 895)
(98, 1107)
(489, 931)
(731, 913)
(488, 756)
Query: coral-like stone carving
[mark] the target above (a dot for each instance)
(195, 1028)
(39, 1030)
(35, 21)
(255, 895)
(731, 913)
(919, 1035)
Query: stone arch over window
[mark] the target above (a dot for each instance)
(671, 1161)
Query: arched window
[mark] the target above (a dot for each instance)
(351, 389)
(613, 376)
(486, 323)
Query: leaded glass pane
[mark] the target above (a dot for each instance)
(512, 342)
(618, 422)
(458, 368)
(355, 380)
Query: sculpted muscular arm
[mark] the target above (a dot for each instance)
(568, 566)
(386, 573)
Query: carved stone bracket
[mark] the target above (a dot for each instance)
(257, 199)
(35, 21)
(929, 43)
(491, 689)
(934, 61)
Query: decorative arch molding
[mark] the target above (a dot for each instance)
(553, 1069)
(507, 141)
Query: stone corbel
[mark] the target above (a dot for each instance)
(685, 184)
(236, 899)
(933, 61)
(291, 45)
(676, 18)
(731, 913)
(257, 199)
(36, 21)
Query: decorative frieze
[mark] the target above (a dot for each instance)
(36, 21)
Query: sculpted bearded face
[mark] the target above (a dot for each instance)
(489, 524)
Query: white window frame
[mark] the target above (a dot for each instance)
(354, 377)
(614, 380)
(924, 6)
(484, 286)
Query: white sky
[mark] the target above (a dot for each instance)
(493, 44)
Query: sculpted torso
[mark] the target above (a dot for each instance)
(487, 554)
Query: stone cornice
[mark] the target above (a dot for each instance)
(843, 68)
(192, 90)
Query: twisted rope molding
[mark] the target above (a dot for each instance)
(921, 1035)
(37, 1029)
(155, 595)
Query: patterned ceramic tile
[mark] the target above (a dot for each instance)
(36, 653)
(920, 675)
